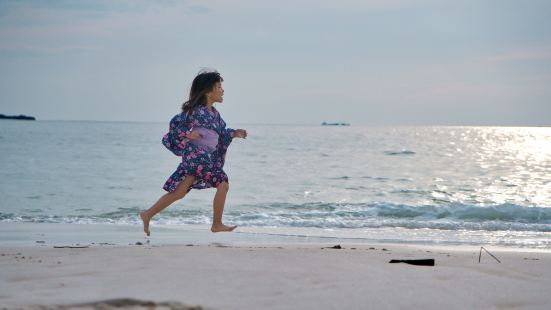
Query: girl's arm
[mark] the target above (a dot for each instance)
(229, 134)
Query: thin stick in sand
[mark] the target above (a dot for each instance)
(480, 254)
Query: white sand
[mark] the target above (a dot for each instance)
(272, 277)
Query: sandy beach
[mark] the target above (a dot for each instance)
(289, 276)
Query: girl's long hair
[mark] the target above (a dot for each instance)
(203, 83)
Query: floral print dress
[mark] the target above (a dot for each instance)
(205, 166)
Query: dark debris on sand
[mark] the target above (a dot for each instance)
(117, 304)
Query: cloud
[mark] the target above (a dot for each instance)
(37, 28)
(523, 55)
(449, 89)
(200, 9)
(451, 93)
(85, 5)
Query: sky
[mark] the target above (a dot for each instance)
(381, 62)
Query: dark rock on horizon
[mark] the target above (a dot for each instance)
(18, 117)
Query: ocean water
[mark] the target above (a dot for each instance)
(453, 185)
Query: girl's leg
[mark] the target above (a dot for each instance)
(165, 201)
(218, 206)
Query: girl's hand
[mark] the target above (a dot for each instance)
(240, 133)
(193, 135)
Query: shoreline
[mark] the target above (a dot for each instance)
(30, 234)
(271, 276)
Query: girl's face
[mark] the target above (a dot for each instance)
(217, 93)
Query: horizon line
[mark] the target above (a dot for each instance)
(303, 124)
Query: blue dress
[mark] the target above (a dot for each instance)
(206, 166)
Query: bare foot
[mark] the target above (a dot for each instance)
(145, 220)
(221, 227)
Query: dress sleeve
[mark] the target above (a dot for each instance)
(224, 141)
(226, 138)
(229, 132)
(175, 140)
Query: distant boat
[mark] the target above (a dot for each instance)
(334, 124)
(20, 117)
